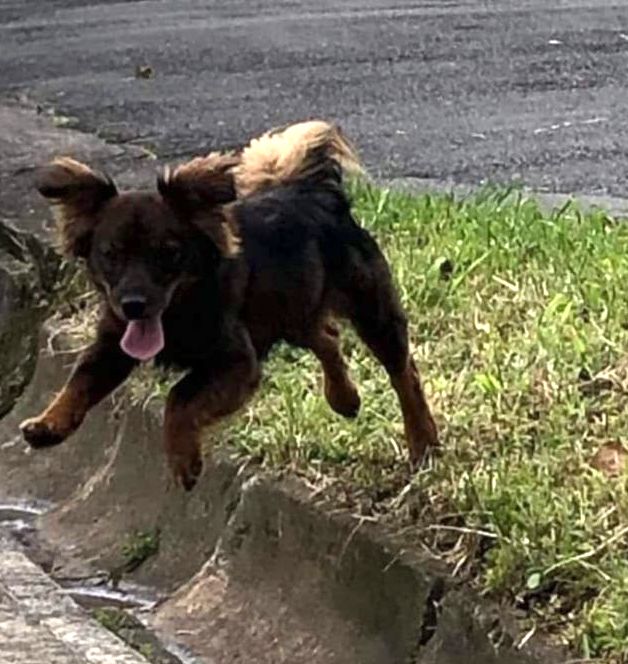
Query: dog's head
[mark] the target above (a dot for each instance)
(141, 246)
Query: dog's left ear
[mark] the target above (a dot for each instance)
(199, 191)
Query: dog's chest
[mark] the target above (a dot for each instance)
(190, 336)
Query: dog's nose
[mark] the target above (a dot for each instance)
(133, 307)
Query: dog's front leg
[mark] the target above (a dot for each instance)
(98, 371)
(202, 397)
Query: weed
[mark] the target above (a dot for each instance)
(138, 547)
(112, 619)
(147, 650)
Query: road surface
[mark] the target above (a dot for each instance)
(452, 90)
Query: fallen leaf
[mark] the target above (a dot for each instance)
(610, 459)
(144, 71)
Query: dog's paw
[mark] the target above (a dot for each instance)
(423, 442)
(39, 432)
(344, 399)
(186, 470)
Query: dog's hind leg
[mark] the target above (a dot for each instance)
(421, 431)
(388, 341)
(340, 391)
(375, 311)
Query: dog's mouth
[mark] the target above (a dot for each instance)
(144, 338)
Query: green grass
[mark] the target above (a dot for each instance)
(519, 321)
(138, 547)
(113, 619)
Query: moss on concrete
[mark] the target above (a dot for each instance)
(29, 274)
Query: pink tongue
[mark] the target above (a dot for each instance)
(143, 339)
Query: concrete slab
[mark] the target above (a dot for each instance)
(40, 623)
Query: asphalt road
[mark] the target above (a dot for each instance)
(453, 90)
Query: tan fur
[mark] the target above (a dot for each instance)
(291, 154)
(74, 167)
(222, 227)
(204, 187)
(215, 165)
(75, 191)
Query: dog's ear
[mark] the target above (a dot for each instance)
(76, 193)
(199, 191)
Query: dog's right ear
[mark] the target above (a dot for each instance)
(199, 191)
(76, 194)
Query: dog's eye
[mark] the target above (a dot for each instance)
(107, 250)
(170, 255)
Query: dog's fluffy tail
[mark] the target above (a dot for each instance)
(299, 152)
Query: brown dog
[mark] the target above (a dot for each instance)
(231, 255)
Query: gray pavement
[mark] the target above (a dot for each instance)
(39, 624)
(456, 90)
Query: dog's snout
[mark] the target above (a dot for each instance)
(133, 307)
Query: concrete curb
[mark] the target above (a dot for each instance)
(612, 205)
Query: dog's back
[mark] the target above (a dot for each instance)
(303, 250)
(292, 203)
